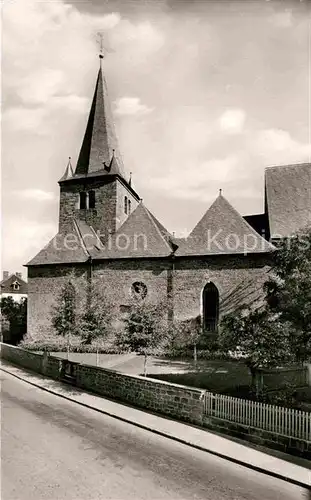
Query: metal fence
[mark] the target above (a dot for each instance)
(283, 421)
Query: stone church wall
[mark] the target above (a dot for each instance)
(118, 276)
(44, 285)
(239, 280)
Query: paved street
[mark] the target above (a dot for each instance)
(56, 449)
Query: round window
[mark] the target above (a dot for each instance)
(139, 290)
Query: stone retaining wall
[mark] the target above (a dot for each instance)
(293, 446)
(183, 403)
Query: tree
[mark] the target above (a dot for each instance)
(64, 311)
(280, 331)
(262, 338)
(288, 291)
(145, 329)
(186, 335)
(15, 313)
(91, 320)
(95, 321)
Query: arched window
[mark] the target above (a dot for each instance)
(82, 200)
(91, 199)
(210, 307)
(125, 204)
(129, 206)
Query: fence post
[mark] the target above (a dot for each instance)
(308, 373)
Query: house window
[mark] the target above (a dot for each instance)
(83, 200)
(125, 204)
(129, 206)
(15, 285)
(210, 307)
(91, 199)
(138, 290)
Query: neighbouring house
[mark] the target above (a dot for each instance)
(107, 233)
(12, 285)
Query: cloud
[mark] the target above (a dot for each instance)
(34, 194)
(38, 118)
(24, 238)
(70, 102)
(189, 183)
(137, 40)
(26, 119)
(282, 19)
(39, 86)
(278, 146)
(131, 106)
(232, 121)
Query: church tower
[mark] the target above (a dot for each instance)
(97, 191)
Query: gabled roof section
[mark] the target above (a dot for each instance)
(89, 239)
(100, 150)
(288, 198)
(141, 235)
(222, 231)
(64, 248)
(6, 284)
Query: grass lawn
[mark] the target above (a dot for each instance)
(225, 377)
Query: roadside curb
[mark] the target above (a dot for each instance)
(164, 434)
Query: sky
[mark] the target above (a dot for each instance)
(205, 95)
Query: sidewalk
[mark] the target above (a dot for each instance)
(267, 462)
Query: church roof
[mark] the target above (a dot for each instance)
(288, 198)
(141, 235)
(100, 151)
(65, 248)
(222, 231)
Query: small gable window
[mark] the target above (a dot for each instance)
(129, 206)
(83, 200)
(125, 204)
(16, 285)
(91, 199)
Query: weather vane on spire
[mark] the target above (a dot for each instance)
(100, 41)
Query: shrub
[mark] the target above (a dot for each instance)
(54, 346)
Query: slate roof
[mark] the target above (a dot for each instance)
(62, 249)
(100, 151)
(68, 174)
(222, 230)
(141, 235)
(288, 198)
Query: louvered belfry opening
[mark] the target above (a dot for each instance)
(210, 308)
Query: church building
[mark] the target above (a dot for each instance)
(107, 234)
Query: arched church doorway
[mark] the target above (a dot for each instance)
(210, 311)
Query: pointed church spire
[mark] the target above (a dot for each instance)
(68, 172)
(100, 145)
